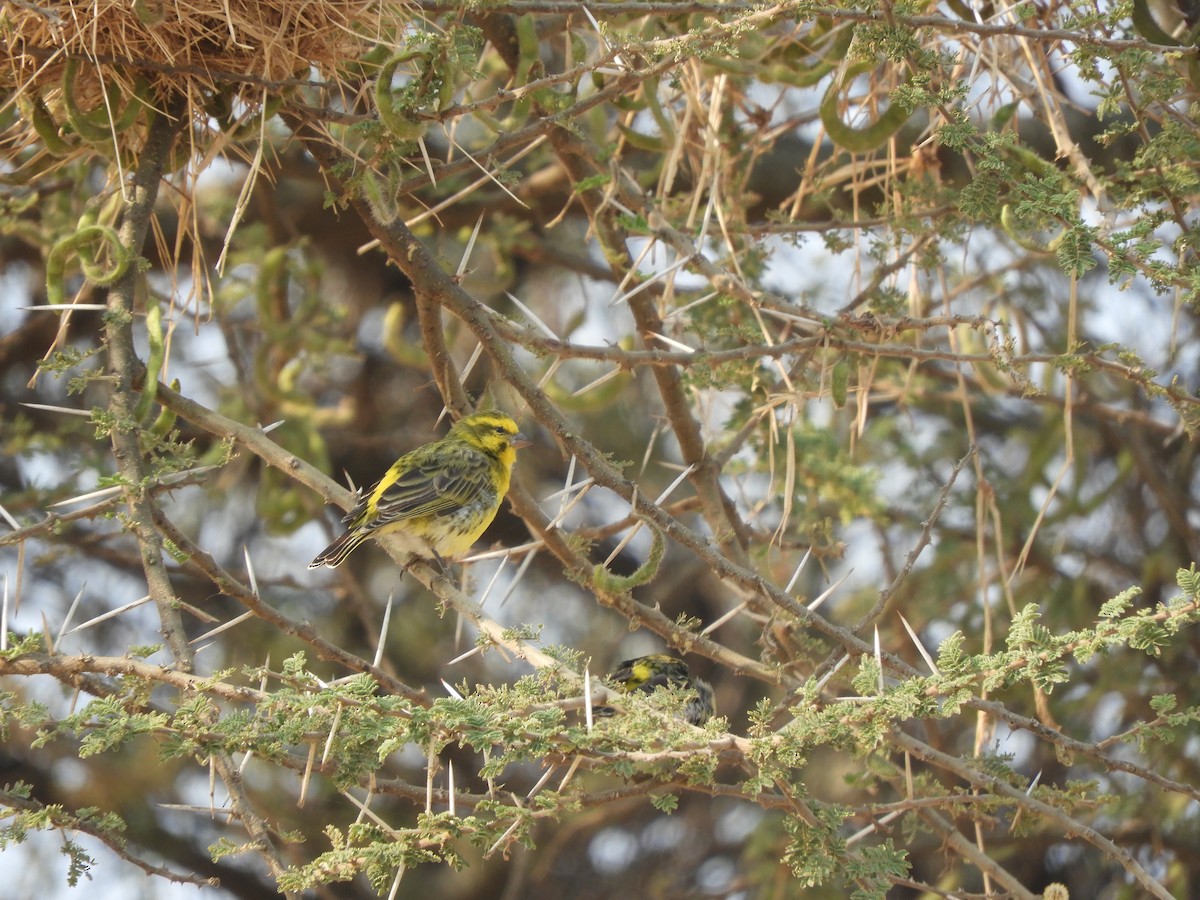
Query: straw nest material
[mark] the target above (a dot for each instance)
(74, 67)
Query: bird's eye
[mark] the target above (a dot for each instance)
(500, 429)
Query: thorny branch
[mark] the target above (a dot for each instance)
(125, 435)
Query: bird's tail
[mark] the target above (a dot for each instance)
(335, 553)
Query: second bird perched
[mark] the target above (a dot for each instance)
(440, 497)
(660, 670)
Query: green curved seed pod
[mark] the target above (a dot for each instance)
(1030, 161)
(490, 122)
(609, 583)
(98, 216)
(842, 36)
(250, 128)
(1004, 115)
(403, 351)
(272, 273)
(367, 65)
(962, 10)
(102, 209)
(800, 63)
(642, 141)
(154, 360)
(829, 58)
(100, 124)
(579, 47)
(165, 422)
(866, 137)
(596, 399)
(822, 25)
(56, 260)
(631, 103)
(289, 375)
(1022, 237)
(120, 262)
(665, 125)
(796, 75)
(381, 197)
(400, 124)
(33, 109)
(56, 266)
(528, 68)
(139, 101)
(839, 382)
(1145, 25)
(529, 56)
(150, 12)
(445, 91)
(16, 204)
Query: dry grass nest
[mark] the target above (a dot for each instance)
(85, 72)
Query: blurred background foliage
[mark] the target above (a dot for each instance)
(877, 321)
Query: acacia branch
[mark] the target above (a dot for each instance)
(127, 369)
(125, 366)
(958, 842)
(69, 821)
(996, 785)
(69, 669)
(304, 631)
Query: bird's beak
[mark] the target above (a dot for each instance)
(519, 440)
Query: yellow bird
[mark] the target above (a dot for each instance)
(440, 497)
(660, 670)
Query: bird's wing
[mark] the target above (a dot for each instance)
(434, 487)
(662, 679)
(356, 511)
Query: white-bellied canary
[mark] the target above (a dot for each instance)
(440, 497)
(661, 670)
